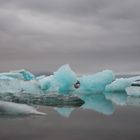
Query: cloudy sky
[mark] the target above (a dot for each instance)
(90, 35)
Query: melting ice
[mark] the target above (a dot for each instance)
(97, 91)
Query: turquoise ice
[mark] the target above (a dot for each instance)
(19, 74)
(99, 91)
(95, 83)
(62, 81)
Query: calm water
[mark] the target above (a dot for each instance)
(113, 116)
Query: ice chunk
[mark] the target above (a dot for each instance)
(19, 74)
(95, 83)
(118, 98)
(64, 112)
(119, 85)
(8, 108)
(133, 90)
(65, 78)
(62, 81)
(99, 103)
(42, 99)
(11, 85)
(46, 83)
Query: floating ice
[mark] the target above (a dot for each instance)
(62, 81)
(119, 85)
(95, 83)
(19, 74)
(96, 90)
(10, 85)
(134, 89)
(8, 108)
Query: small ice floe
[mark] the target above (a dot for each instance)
(9, 108)
(134, 89)
(120, 84)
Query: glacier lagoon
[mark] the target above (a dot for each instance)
(97, 92)
(99, 108)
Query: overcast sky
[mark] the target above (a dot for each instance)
(90, 35)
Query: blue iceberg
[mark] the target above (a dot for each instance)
(19, 74)
(95, 83)
(62, 81)
(98, 91)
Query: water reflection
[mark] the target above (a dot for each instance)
(133, 101)
(103, 103)
(64, 111)
(99, 103)
(119, 98)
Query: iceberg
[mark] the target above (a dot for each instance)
(42, 99)
(95, 83)
(119, 85)
(11, 85)
(134, 89)
(64, 89)
(62, 81)
(8, 108)
(19, 74)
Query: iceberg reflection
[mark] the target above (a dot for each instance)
(99, 103)
(119, 98)
(64, 112)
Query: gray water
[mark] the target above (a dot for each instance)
(81, 125)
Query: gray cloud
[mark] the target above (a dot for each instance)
(90, 35)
